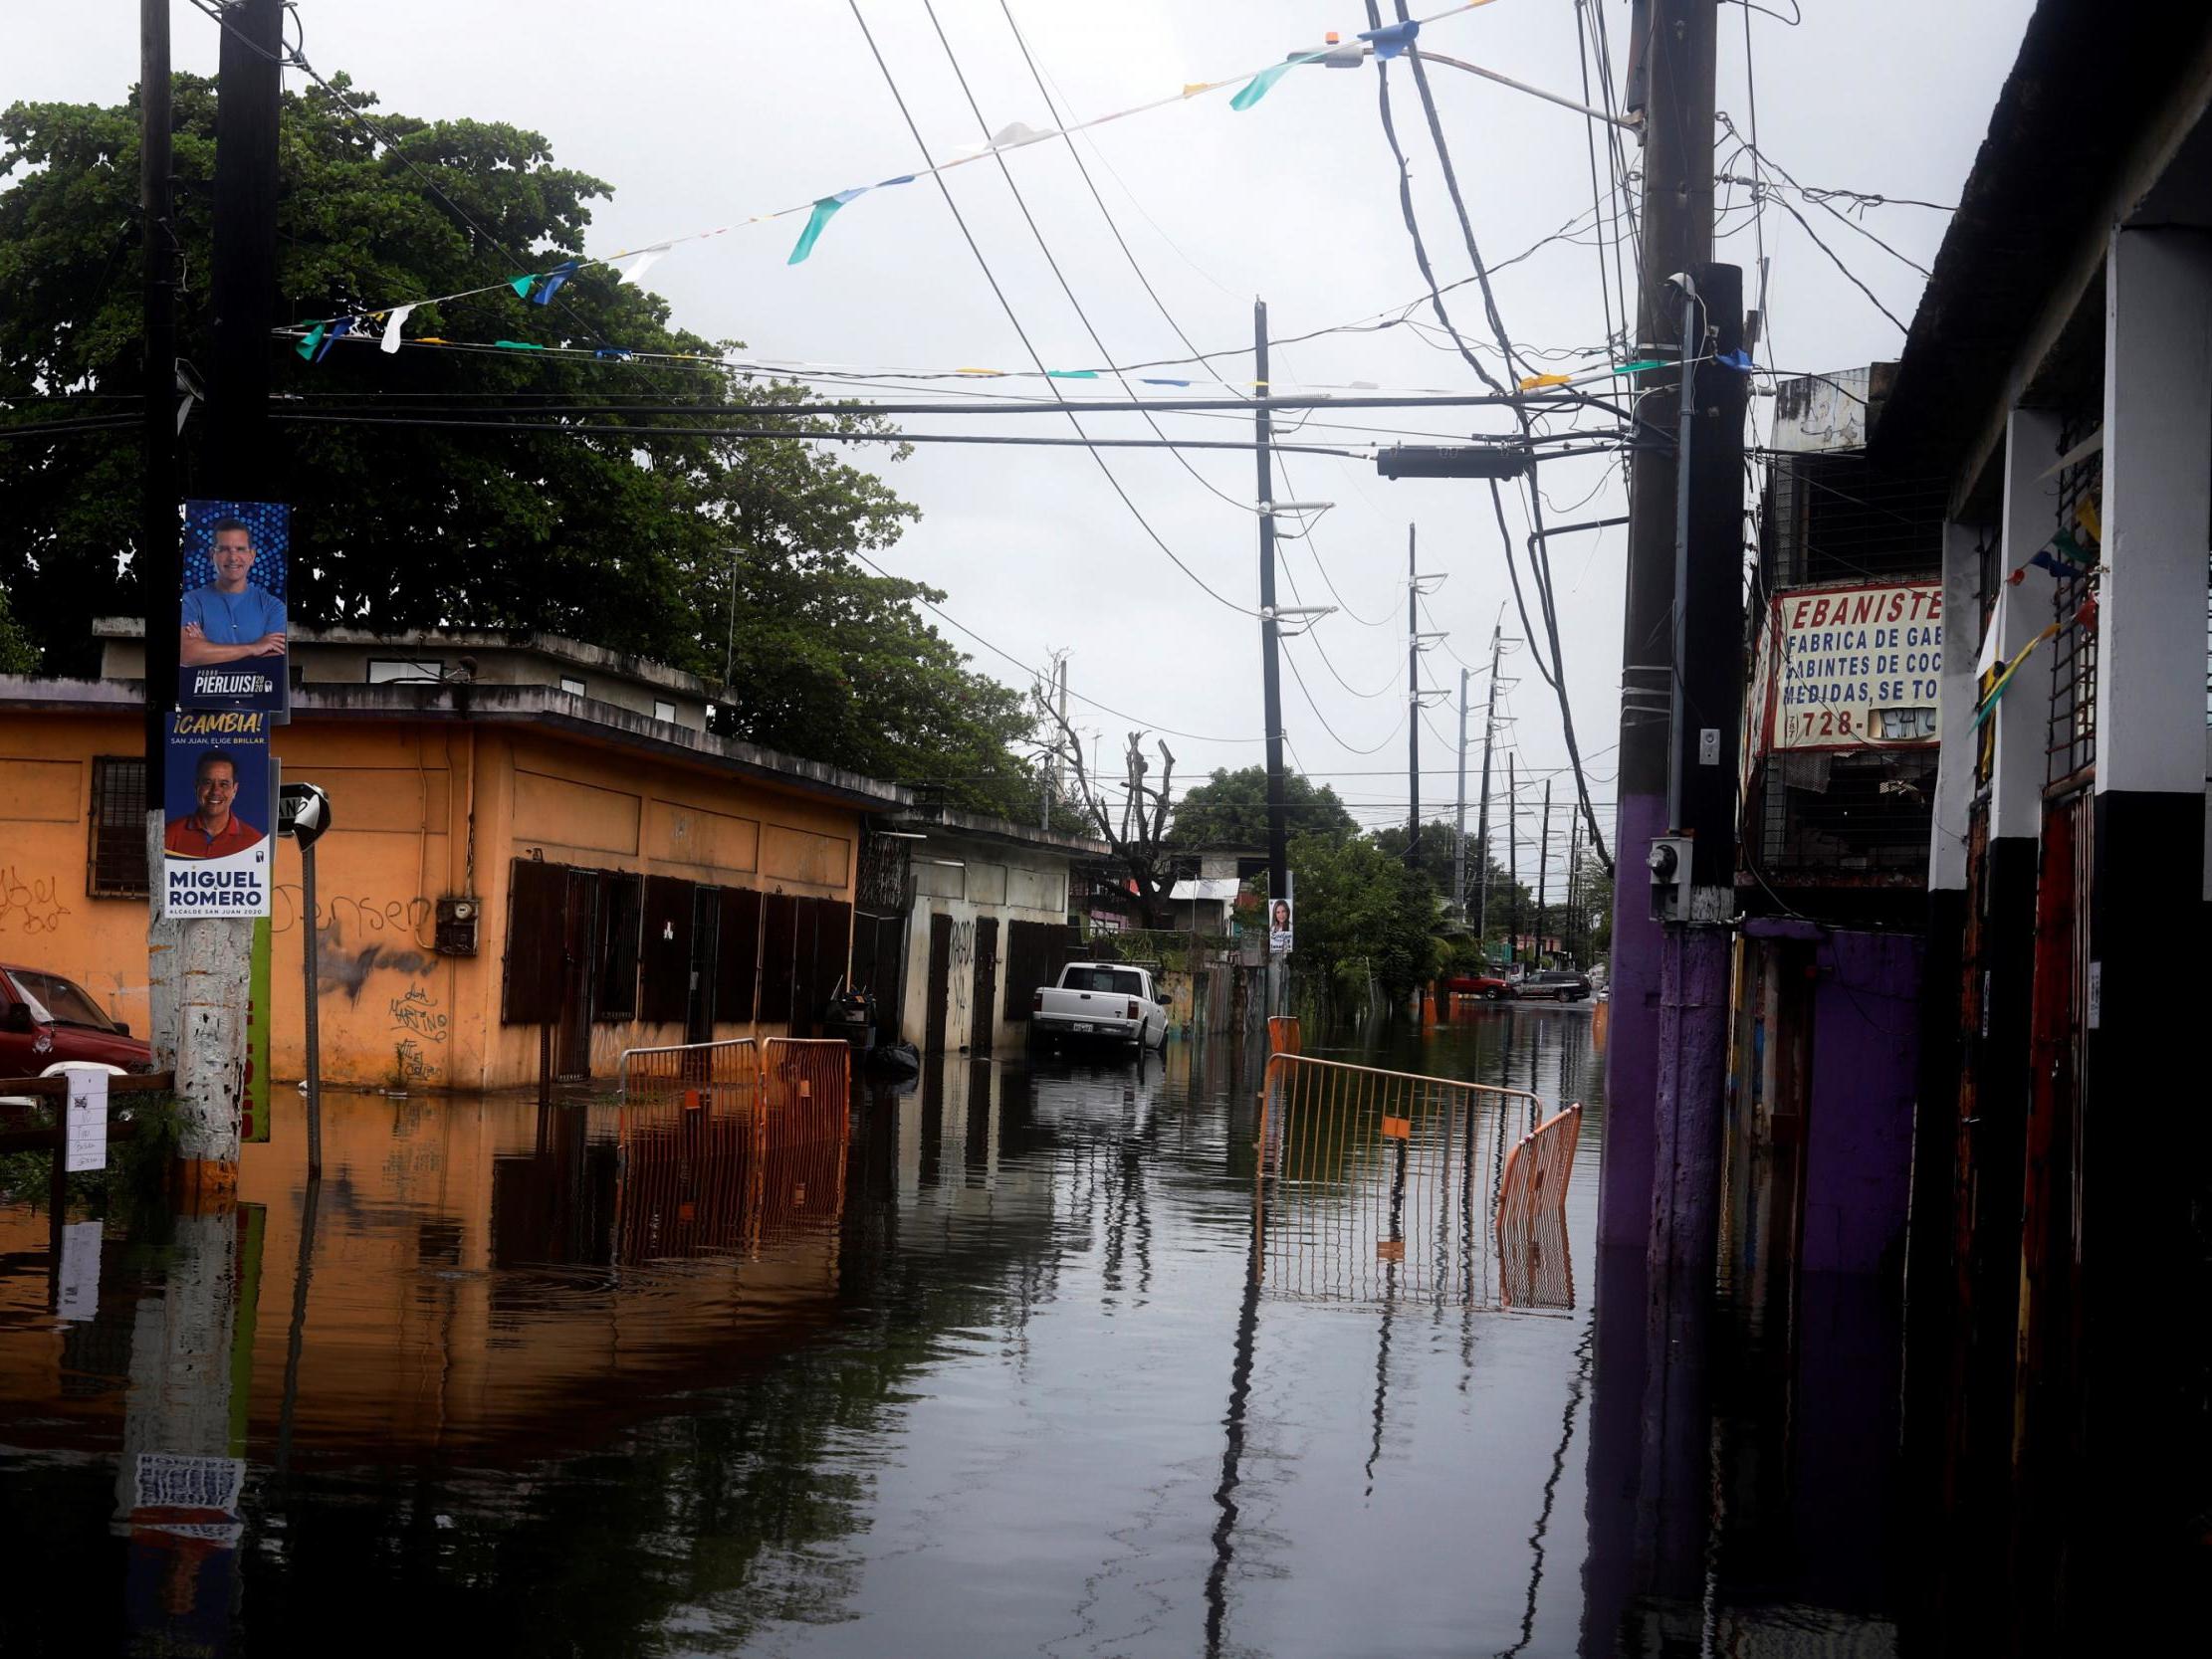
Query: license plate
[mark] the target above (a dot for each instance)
(1081, 1025)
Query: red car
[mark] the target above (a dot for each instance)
(50, 1024)
(1489, 986)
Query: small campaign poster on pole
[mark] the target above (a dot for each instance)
(1282, 918)
(233, 649)
(215, 846)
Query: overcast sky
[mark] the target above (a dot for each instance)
(700, 114)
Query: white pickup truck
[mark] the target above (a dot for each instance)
(1102, 1001)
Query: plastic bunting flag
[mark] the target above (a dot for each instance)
(337, 332)
(826, 209)
(1072, 375)
(519, 345)
(1535, 380)
(1257, 87)
(647, 257)
(2005, 679)
(393, 323)
(1392, 38)
(313, 339)
(521, 285)
(554, 280)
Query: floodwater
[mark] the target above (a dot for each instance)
(993, 1373)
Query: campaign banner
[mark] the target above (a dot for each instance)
(233, 649)
(217, 857)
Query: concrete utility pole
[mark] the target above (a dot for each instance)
(1677, 232)
(1482, 830)
(161, 549)
(200, 970)
(1512, 863)
(1543, 876)
(1459, 814)
(1574, 884)
(1413, 706)
(1279, 824)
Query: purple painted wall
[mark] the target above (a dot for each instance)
(1859, 1123)
(1631, 1042)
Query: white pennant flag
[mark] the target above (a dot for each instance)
(645, 261)
(392, 326)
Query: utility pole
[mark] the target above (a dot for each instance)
(1574, 886)
(242, 275)
(1677, 71)
(160, 550)
(1052, 767)
(1413, 706)
(1512, 863)
(210, 959)
(1543, 877)
(1459, 814)
(1278, 827)
(1483, 831)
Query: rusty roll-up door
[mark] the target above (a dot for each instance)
(940, 984)
(981, 1006)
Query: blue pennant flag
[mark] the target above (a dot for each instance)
(344, 325)
(551, 283)
(1392, 38)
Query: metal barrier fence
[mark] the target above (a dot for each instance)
(1379, 1185)
(1535, 1269)
(664, 1073)
(1283, 1036)
(1538, 1169)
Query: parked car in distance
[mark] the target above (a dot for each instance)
(50, 1024)
(1099, 1003)
(1553, 985)
(1489, 987)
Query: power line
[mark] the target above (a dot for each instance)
(1032, 671)
(1006, 306)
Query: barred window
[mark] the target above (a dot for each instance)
(116, 860)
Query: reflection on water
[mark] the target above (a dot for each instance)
(991, 1370)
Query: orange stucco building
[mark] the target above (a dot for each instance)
(514, 868)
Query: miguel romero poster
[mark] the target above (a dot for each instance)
(217, 856)
(233, 650)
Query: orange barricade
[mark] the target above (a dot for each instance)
(1534, 1270)
(1538, 1169)
(1378, 1184)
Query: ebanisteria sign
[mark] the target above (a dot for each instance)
(1846, 667)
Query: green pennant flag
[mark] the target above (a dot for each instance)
(1257, 87)
(306, 348)
(1072, 375)
(519, 345)
(824, 210)
(1639, 366)
(521, 285)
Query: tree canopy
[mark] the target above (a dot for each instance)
(1229, 810)
(711, 555)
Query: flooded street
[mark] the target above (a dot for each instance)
(992, 1374)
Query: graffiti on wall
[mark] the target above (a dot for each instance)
(30, 904)
(361, 915)
(964, 961)
(417, 1014)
